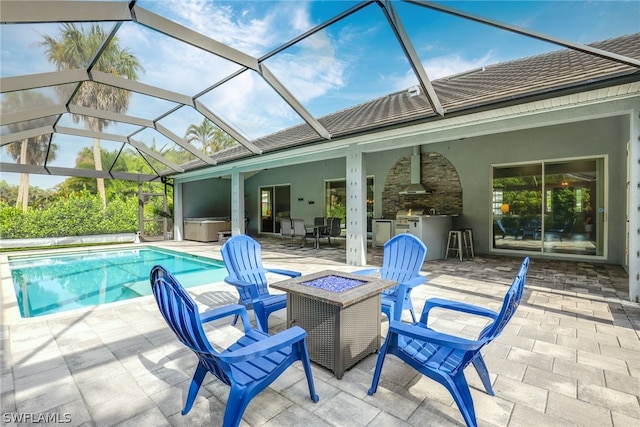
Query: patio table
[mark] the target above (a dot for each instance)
(317, 232)
(341, 314)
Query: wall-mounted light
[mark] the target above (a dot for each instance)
(505, 208)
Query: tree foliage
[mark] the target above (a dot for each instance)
(208, 137)
(75, 48)
(34, 150)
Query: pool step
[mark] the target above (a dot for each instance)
(141, 288)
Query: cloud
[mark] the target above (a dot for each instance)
(309, 69)
(444, 66)
(312, 69)
(246, 26)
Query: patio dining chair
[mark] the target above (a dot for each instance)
(332, 229)
(299, 230)
(443, 357)
(403, 256)
(242, 257)
(286, 229)
(248, 366)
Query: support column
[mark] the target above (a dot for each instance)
(237, 202)
(356, 207)
(633, 239)
(178, 209)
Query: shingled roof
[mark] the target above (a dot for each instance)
(535, 77)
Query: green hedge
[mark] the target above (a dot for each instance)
(81, 214)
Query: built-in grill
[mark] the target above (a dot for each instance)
(432, 229)
(405, 218)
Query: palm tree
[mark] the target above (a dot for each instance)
(33, 150)
(209, 136)
(75, 48)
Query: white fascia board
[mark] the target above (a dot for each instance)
(536, 114)
(19, 136)
(193, 38)
(266, 161)
(23, 12)
(33, 114)
(34, 81)
(517, 117)
(145, 89)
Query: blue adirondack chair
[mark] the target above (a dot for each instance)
(248, 366)
(444, 357)
(242, 256)
(403, 256)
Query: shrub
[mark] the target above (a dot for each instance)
(80, 214)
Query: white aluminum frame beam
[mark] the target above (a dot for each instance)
(202, 109)
(119, 138)
(293, 102)
(412, 56)
(25, 12)
(32, 114)
(144, 149)
(34, 81)
(84, 173)
(108, 115)
(190, 148)
(19, 136)
(186, 35)
(530, 33)
(91, 134)
(143, 88)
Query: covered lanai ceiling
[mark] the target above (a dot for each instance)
(256, 77)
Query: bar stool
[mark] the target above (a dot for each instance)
(467, 243)
(454, 243)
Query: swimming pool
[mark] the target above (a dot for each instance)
(49, 284)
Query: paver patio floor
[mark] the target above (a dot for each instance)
(570, 355)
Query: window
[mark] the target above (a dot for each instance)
(550, 207)
(336, 200)
(497, 201)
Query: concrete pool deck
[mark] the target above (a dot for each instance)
(570, 356)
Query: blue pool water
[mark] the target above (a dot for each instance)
(55, 283)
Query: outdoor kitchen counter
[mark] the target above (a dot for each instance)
(432, 230)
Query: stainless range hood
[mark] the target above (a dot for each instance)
(416, 187)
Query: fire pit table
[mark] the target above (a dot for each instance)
(341, 314)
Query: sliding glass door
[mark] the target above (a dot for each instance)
(550, 207)
(275, 203)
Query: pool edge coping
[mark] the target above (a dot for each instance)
(10, 312)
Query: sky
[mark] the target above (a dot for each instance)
(353, 61)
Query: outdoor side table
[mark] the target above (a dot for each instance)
(341, 314)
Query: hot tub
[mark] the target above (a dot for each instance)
(205, 229)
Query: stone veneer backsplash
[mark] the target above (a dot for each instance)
(438, 174)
